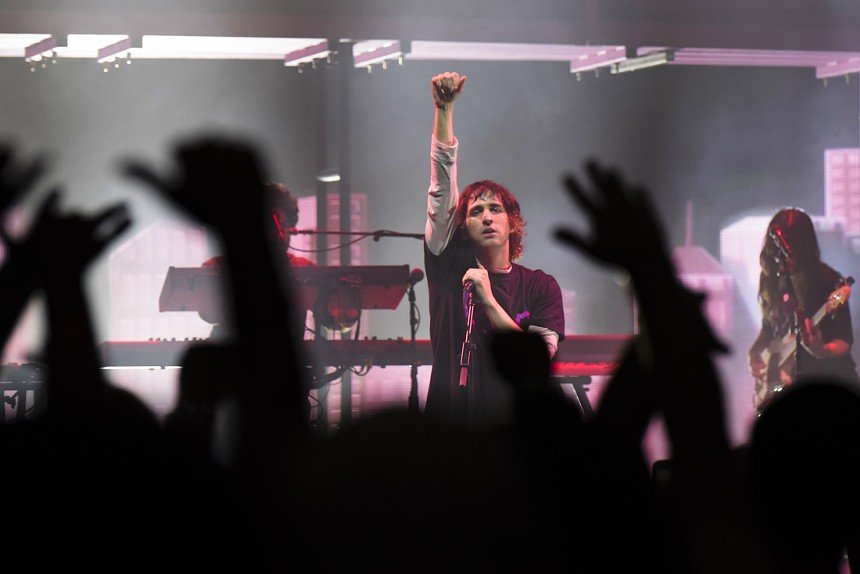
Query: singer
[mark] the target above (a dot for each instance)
(471, 242)
(794, 287)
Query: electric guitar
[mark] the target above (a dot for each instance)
(780, 353)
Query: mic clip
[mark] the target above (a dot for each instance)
(779, 240)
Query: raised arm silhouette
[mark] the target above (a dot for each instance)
(667, 369)
(253, 384)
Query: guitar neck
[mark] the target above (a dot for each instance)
(819, 315)
(788, 344)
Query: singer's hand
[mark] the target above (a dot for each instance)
(481, 279)
(446, 88)
(483, 294)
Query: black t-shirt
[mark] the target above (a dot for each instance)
(529, 297)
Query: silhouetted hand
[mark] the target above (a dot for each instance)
(16, 281)
(217, 180)
(16, 177)
(625, 229)
(65, 244)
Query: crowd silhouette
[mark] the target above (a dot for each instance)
(235, 477)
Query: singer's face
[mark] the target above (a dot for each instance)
(487, 223)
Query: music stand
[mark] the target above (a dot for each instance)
(191, 289)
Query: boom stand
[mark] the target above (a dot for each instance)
(797, 326)
(468, 345)
(413, 328)
(798, 341)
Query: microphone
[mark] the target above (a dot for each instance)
(468, 286)
(780, 241)
(416, 276)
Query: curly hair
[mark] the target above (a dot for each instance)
(512, 209)
(279, 196)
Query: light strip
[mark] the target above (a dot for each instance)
(142, 367)
(87, 45)
(499, 51)
(223, 47)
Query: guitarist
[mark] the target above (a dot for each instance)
(795, 286)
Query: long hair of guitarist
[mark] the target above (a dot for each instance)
(777, 277)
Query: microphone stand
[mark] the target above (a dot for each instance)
(798, 341)
(798, 318)
(413, 328)
(797, 315)
(468, 345)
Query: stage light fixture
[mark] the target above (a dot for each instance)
(328, 176)
(642, 62)
(849, 65)
(308, 55)
(367, 53)
(25, 45)
(109, 52)
(37, 49)
(594, 60)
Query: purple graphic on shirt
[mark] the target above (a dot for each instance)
(520, 316)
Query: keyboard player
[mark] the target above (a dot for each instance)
(284, 216)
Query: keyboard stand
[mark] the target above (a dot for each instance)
(580, 392)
